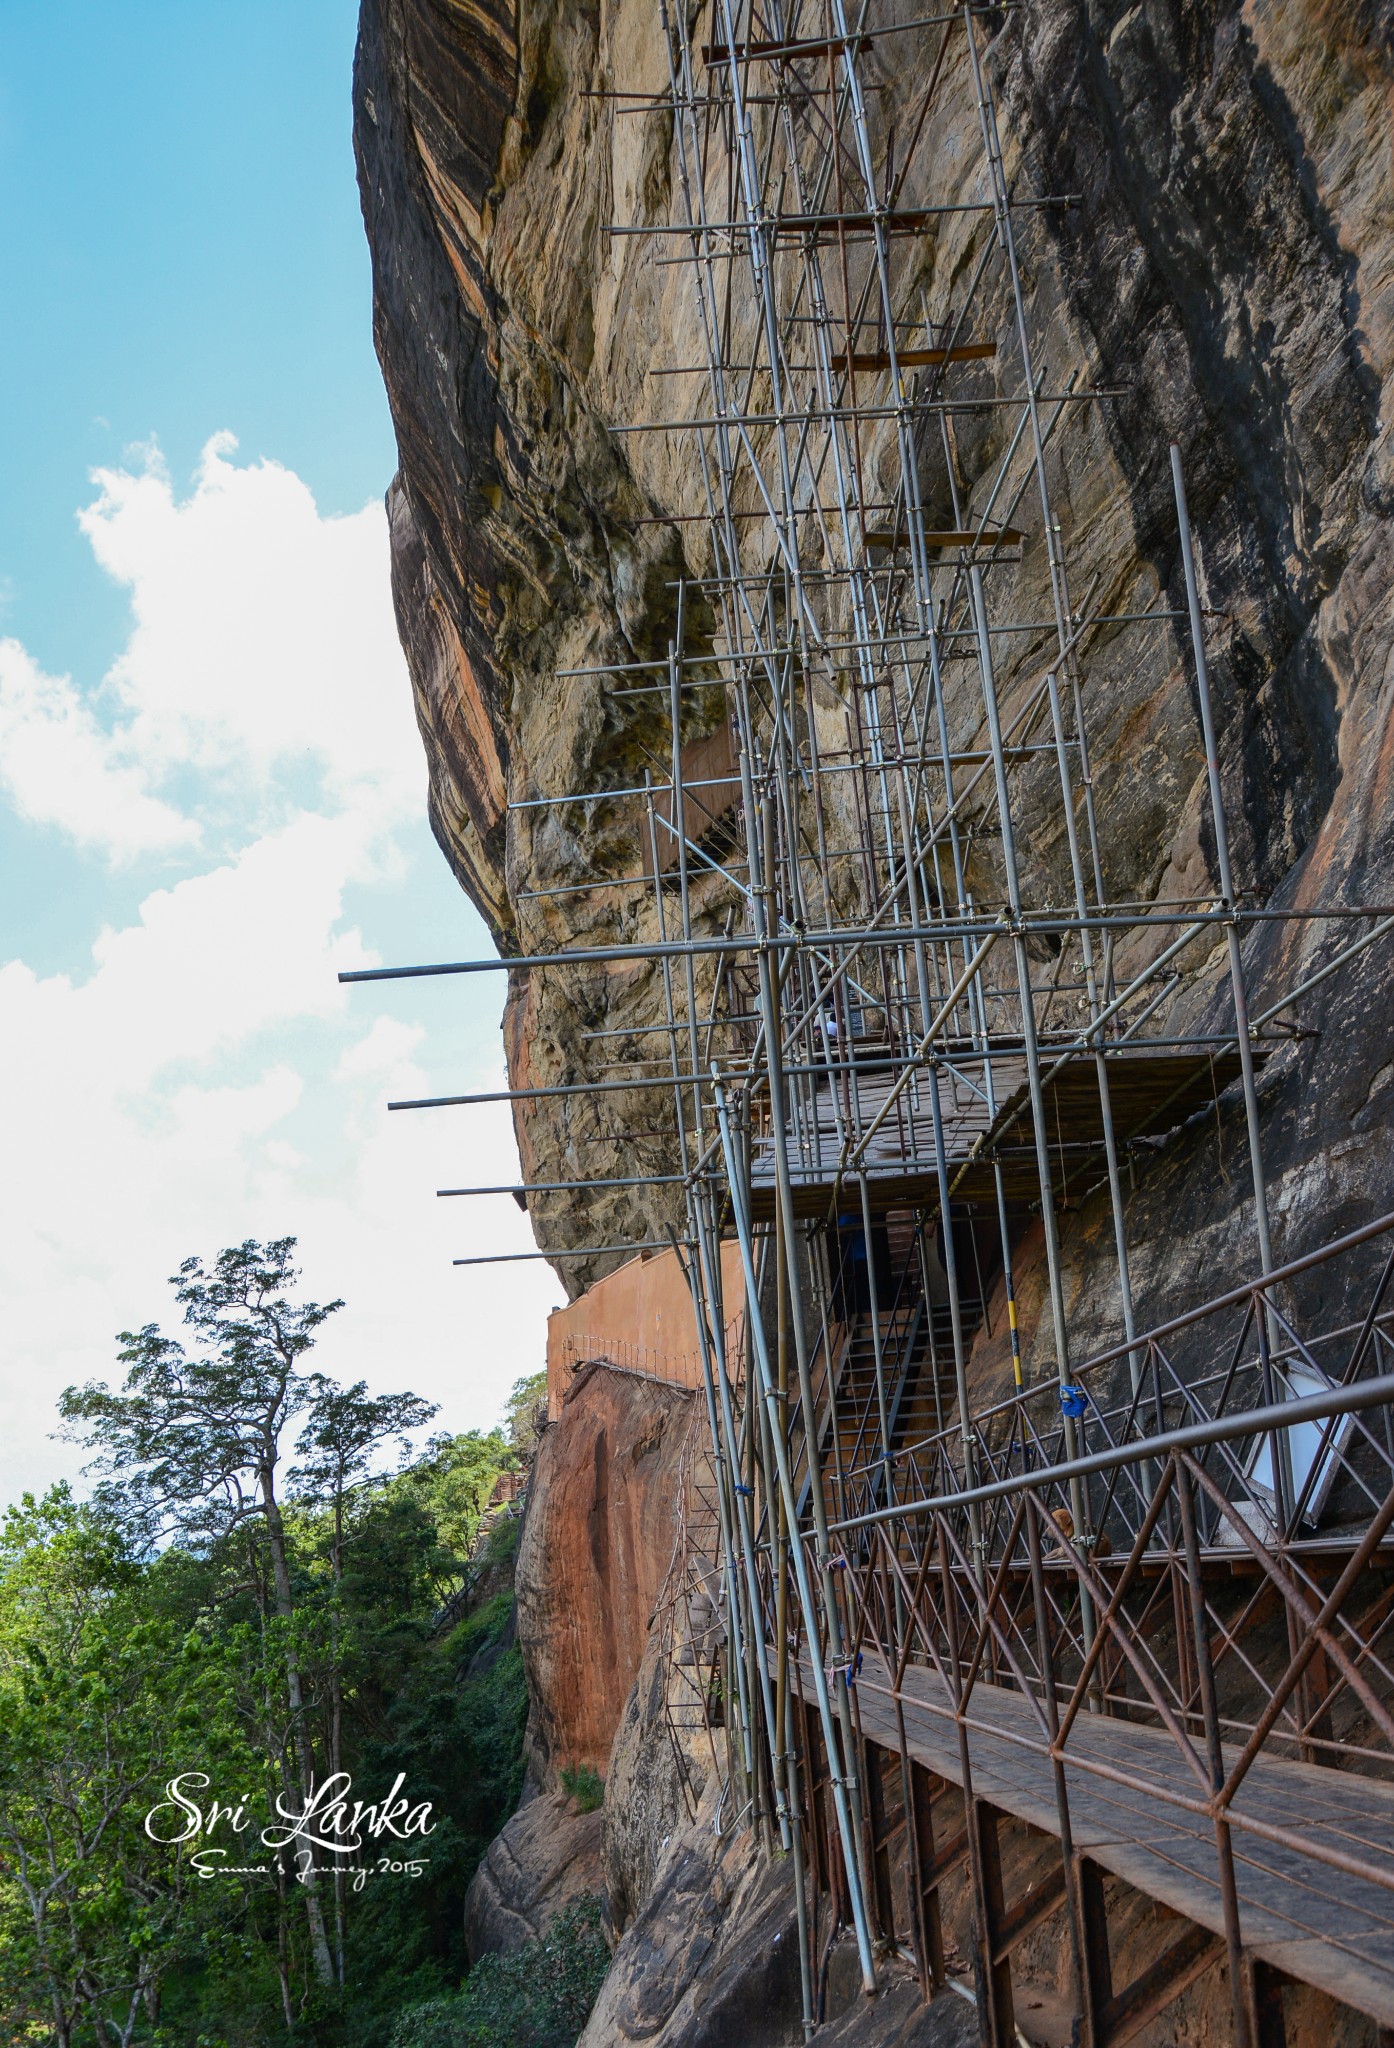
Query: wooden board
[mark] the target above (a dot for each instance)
(1149, 1093)
(1322, 1925)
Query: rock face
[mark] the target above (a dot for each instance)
(547, 1856)
(645, 1804)
(712, 1959)
(593, 1558)
(1228, 269)
(596, 1545)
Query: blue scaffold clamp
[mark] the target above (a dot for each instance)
(748, 1491)
(1073, 1399)
(851, 1672)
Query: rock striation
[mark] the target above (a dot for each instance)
(1227, 270)
(593, 1557)
(594, 1553)
(712, 1958)
(545, 1858)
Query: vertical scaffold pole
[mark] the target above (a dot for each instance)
(1281, 1449)
(813, 1633)
(1226, 873)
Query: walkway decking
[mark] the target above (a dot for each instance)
(1150, 1092)
(1137, 1810)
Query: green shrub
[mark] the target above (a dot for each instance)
(501, 1543)
(585, 1785)
(539, 1997)
(438, 2023)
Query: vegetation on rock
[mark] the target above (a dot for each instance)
(538, 1997)
(246, 1609)
(584, 1784)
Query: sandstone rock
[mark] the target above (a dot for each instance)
(645, 1807)
(595, 1550)
(712, 1959)
(898, 2018)
(1229, 268)
(593, 1557)
(545, 1857)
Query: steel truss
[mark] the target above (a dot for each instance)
(906, 1023)
(909, 1055)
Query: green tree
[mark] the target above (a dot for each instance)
(193, 1442)
(451, 1485)
(525, 1412)
(102, 1700)
(540, 1996)
(214, 1611)
(346, 1429)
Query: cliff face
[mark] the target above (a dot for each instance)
(593, 1559)
(1227, 270)
(595, 1551)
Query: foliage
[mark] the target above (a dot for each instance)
(584, 1784)
(192, 1441)
(102, 1699)
(539, 1997)
(450, 1487)
(192, 1444)
(456, 1728)
(346, 1428)
(525, 1411)
(251, 1598)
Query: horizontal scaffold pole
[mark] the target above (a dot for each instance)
(580, 1251)
(572, 1187)
(1279, 1415)
(888, 935)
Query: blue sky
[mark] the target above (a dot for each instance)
(183, 250)
(211, 792)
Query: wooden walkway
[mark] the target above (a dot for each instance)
(1150, 1092)
(1126, 1784)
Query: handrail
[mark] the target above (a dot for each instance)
(1220, 1429)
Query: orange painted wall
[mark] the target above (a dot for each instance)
(639, 1316)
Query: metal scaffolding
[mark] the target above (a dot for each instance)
(1136, 1603)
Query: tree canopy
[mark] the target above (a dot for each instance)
(268, 1591)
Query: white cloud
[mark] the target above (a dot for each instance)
(262, 650)
(199, 1075)
(243, 948)
(383, 1055)
(263, 635)
(59, 767)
